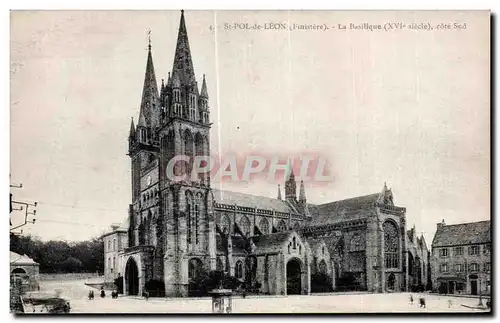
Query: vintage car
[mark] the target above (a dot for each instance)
(45, 303)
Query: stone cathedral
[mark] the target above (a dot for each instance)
(175, 230)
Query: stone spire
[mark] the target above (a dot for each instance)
(169, 81)
(132, 130)
(204, 91)
(150, 97)
(302, 194)
(291, 185)
(279, 192)
(183, 64)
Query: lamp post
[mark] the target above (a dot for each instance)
(222, 299)
(480, 294)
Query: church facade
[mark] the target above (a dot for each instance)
(177, 229)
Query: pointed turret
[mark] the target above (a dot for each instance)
(204, 91)
(279, 192)
(131, 135)
(150, 98)
(302, 193)
(169, 81)
(183, 63)
(291, 185)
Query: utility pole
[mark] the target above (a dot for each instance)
(21, 206)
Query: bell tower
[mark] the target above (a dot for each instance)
(185, 139)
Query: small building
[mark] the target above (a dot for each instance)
(25, 271)
(115, 242)
(461, 258)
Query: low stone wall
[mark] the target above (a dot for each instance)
(72, 276)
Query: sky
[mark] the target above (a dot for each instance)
(410, 108)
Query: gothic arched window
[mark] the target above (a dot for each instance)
(281, 226)
(322, 267)
(192, 106)
(296, 226)
(264, 226)
(195, 268)
(391, 245)
(189, 215)
(239, 269)
(356, 243)
(197, 207)
(142, 238)
(200, 151)
(245, 226)
(188, 149)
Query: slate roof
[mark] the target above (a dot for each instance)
(271, 242)
(349, 209)
(463, 234)
(252, 201)
(238, 244)
(19, 260)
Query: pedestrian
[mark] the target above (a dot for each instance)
(103, 294)
(449, 303)
(146, 295)
(422, 302)
(411, 299)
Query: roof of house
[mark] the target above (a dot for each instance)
(252, 201)
(349, 209)
(238, 245)
(462, 234)
(19, 260)
(271, 242)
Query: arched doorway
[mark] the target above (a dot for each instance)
(293, 277)
(132, 277)
(19, 271)
(391, 282)
(195, 270)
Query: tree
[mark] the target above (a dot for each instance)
(51, 255)
(70, 265)
(206, 282)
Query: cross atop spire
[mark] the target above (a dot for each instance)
(149, 39)
(183, 64)
(150, 96)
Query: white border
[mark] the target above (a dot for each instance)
(189, 5)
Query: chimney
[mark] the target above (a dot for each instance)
(440, 225)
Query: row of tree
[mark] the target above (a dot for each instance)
(61, 256)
